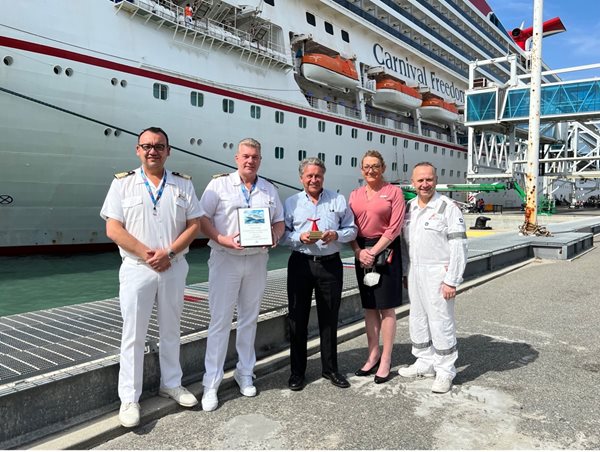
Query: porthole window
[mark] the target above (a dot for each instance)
(426, 148)
(279, 117)
(114, 81)
(255, 111)
(160, 91)
(302, 122)
(8, 60)
(451, 153)
(301, 155)
(405, 144)
(354, 133)
(382, 139)
(416, 146)
(192, 141)
(117, 133)
(338, 129)
(310, 18)
(345, 36)
(405, 167)
(68, 72)
(338, 160)
(123, 83)
(394, 166)
(57, 70)
(197, 99)
(228, 106)
(321, 155)
(435, 149)
(328, 28)
(321, 126)
(278, 152)
(107, 132)
(353, 162)
(394, 141)
(369, 136)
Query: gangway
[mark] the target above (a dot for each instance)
(563, 101)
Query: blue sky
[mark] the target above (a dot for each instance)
(579, 45)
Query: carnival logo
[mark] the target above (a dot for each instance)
(419, 74)
(6, 199)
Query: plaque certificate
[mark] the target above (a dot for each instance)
(255, 226)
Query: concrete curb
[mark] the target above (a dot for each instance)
(107, 426)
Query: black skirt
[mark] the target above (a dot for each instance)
(388, 292)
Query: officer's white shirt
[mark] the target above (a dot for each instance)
(223, 197)
(436, 235)
(129, 202)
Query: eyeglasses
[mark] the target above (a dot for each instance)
(148, 147)
(375, 167)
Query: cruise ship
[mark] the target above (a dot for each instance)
(326, 78)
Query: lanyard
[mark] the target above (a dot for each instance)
(160, 190)
(247, 193)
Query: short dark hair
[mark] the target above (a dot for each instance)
(155, 130)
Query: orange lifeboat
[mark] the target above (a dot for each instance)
(435, 108)
(332, 71)
(392, 94)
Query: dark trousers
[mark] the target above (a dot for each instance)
(326, 278)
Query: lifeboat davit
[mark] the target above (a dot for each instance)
(435, 108)
(394, 95)
(332, 71)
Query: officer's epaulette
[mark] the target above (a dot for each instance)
(185, 176)
(215, 176)
(124, 174)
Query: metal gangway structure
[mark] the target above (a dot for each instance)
(497, 115)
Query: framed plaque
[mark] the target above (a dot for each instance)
(255, 226)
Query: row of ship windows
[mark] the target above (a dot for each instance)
(197, 100)
(302, 154)
(311, 19)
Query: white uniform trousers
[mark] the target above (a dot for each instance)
(140, 288)
(431, 321)
(233, 280)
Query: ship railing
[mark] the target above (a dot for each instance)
(377, 119)
(167, 11)
(338, 108)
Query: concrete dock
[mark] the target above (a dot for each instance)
(503, 393)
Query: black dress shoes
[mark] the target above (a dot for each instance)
(296, 383)
(336, 379)
(378, 380)
(366, 373)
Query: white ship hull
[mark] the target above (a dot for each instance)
(76, 92)
(391, 99)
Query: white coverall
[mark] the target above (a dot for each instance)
(437, 253)
(140, 286)
(235, 277)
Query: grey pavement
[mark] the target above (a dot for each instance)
(528, 378)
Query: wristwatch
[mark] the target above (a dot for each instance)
(171, 254)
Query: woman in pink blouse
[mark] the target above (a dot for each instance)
(378, 209)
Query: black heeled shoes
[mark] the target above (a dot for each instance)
(366, 373)
(378, 380)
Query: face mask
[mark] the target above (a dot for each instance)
(371, 279)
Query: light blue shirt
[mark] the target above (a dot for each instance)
(333, 214)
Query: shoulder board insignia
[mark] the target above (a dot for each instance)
(185, 176)
(216, 176)
(124, 174)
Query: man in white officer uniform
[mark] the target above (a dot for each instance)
(152, 214)
(236, 275)
(434, 232)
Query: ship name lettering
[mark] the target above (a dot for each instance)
(447, 88)
(399, 65)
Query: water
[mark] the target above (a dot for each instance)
(30, 283)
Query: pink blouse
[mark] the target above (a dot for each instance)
(383, 214)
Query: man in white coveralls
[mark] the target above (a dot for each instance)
(435, 235)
